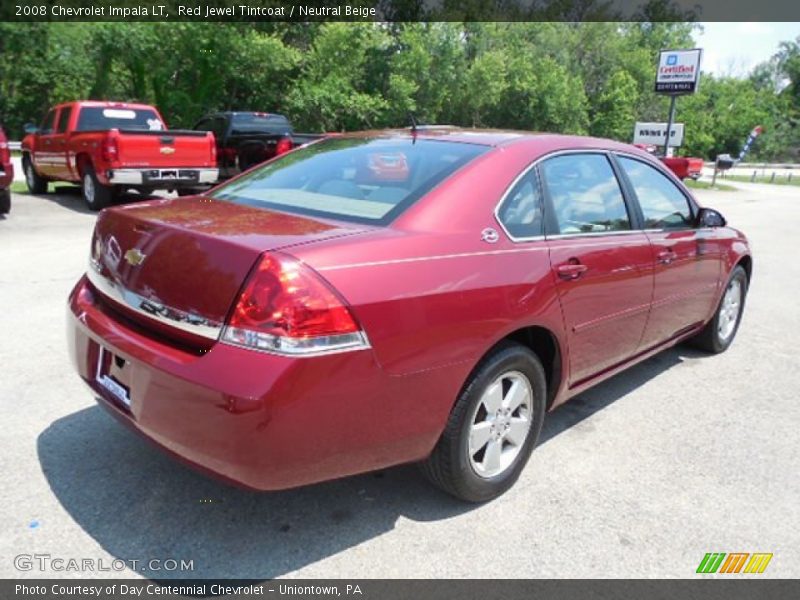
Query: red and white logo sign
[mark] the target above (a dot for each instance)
(678, 71)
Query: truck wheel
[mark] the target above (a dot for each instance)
(35, 182)
(5, 202)
(96, 195)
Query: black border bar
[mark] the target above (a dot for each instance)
(399, 10)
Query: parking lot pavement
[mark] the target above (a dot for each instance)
(640, 477)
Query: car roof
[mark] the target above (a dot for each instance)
(498, 137)
(104, 104)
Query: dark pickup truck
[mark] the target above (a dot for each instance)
(245, 139)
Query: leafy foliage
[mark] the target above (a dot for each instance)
(590, 78)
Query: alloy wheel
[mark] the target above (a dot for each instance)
(500, 424)
(729, 310)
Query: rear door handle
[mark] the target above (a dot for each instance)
(571, 270)
(666, 256)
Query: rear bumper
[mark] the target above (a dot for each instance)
(162, 178)
(263, 421)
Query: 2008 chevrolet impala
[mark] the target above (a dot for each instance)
(389, 297)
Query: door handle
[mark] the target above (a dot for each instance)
(666, 256)
(571, 270)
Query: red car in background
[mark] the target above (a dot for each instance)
(391, 297)
(6, 174)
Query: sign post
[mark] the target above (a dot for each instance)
(678, 74)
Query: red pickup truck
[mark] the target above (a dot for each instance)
(111, 146)
(6, 174)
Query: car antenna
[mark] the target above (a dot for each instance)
(413, 127)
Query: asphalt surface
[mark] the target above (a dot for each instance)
(640, 477)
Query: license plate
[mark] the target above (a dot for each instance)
(106, 381)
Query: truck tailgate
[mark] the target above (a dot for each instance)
(166, 149)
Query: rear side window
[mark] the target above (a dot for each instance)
(521, 211)
(63, 119)
(585, 193)
(663, 205)
(215, 125)
(260, 123)
(370, 180)
(98, 118)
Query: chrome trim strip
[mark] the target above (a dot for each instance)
(563, 236)
(397, 261)
(155, 311)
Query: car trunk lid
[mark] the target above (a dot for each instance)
(177, 265)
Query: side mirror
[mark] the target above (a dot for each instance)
(30, 128)
(708, 217)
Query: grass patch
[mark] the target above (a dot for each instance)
(706, 185)
(780, 179)
(19, 187)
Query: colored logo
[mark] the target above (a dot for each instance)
(735, 562)
(134, 258)
(672, 59)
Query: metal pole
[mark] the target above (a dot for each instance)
(669, 123)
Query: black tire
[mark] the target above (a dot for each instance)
(451, 464)
(711, 338)
(5, 201)
(96, 195)
(35, 182)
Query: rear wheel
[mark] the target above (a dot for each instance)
(35, 182)
(5, 201)
(718, 334)
(492, 428)
(96, 195)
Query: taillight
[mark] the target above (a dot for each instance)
(285, 307)
(5, 155)
(213, 142)
(110, 149)
(283, 146)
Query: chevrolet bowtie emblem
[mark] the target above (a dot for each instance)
(134, 258)
(167, 150)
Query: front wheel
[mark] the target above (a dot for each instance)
(492, 428)
(718, 334)
(96, 195)
(35, 182)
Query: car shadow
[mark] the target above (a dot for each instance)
(139, 504)
(69, 197)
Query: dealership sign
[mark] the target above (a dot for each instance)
(678, 71)
(654, 134)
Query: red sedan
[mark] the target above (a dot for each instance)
(318, 317)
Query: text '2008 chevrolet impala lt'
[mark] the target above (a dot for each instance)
(399, 296)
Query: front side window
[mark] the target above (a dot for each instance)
(521, 211)
(63, 119)
(585, 194)
(48, 125)
(370, 180)
(664, 206)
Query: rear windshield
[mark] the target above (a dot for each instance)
(260, 123)
(369, 180)
(98, 118)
